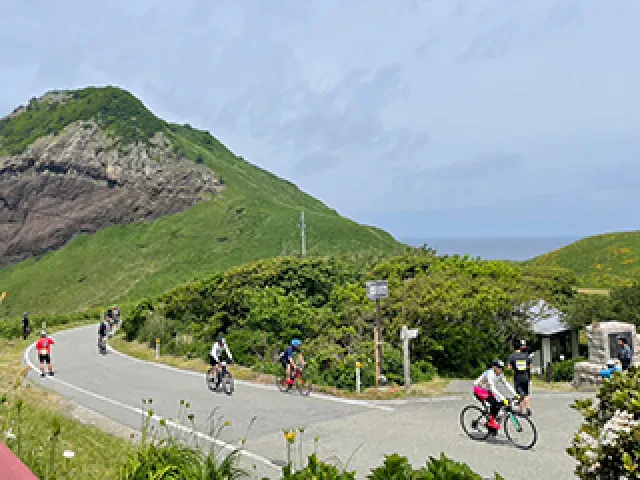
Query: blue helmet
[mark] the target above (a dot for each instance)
(295, 342)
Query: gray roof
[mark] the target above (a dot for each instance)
(547, 320)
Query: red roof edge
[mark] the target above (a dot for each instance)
(11, 468)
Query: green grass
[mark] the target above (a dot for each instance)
(601, 261)
(256, 217)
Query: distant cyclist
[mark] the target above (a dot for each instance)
(520, 363)
(25, 326)
(288, 361)
(102, 333)
(44, 352)
(214, 356)
(486, 390)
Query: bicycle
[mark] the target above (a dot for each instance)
(102, 345)
(225, 379)
(303, 387)
(512, 422)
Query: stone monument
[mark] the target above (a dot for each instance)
(603, 346)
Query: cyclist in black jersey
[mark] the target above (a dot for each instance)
(520, 363)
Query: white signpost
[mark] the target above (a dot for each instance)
(376, 290)
(405, 335)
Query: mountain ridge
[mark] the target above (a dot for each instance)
(250, 215)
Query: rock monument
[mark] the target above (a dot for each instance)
(603, 345)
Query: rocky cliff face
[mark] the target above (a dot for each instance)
(77, 182)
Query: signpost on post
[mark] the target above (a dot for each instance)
(405, 335)
(377, 290)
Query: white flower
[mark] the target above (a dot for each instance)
(69, 454)
(10, 435)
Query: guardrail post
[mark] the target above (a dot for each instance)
(358, 377)
(157, 348)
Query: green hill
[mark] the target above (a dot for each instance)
(256, 217)
(607, 260)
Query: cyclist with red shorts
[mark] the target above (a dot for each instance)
(485, 389)
(44, 352)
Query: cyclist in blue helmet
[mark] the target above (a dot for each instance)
(287, 360)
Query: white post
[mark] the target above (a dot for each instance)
(358, 377)
(405, 350)
(157, 348)
(302, 234)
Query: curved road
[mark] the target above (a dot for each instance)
(114, 385)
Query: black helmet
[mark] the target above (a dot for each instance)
(220, 338)
(497, 363)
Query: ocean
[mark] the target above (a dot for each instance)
(513, 248)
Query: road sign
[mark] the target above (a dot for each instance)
(409, 332)
(377, 289)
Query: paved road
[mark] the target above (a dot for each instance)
(115, 384)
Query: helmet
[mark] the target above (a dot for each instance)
(221, 339)
(24, 314)
(295, 342)
(43, 333)
(497, 363)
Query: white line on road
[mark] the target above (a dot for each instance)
(157, 418)
(361, 403)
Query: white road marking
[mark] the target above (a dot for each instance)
(157, 418)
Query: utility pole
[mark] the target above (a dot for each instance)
(376, 290)
(303, 235)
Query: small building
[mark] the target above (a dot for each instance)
(555, 340)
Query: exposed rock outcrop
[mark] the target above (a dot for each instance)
(79, 182)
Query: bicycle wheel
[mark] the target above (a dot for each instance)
(210, 379)
(304, 387)
(520, 430)
(473, 420)
(281, 384)
(228, 384)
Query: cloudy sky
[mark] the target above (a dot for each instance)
(429, 118)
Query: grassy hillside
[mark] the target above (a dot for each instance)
(607, 260)
(256, 217)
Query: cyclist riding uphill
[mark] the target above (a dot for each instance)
(287, 358)
(216, 350)
(486, 390)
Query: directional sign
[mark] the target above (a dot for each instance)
(408, 333)
(377, 289)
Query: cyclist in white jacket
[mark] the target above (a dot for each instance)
(216, 350)
(485, 389)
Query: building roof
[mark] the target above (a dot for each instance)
(546, 320)
(11, 468)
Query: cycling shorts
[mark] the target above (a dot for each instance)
(522, 387)
(46, 358)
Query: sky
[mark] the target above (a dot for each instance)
(428, 118)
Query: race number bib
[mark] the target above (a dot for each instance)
(521, 365)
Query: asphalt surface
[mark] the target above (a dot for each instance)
(114, 385)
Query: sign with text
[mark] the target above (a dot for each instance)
(377, 289)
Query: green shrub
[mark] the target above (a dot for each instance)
(607, 446)
(395, 467)
(563, 371)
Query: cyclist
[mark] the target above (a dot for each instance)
(214, 356)
(287, 359)
(520, 363)
(44, 352)
(102, 333)
(486, 390)
(25, 326)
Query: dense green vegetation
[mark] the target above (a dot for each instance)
(621, 305)
(608, 442)
(606, 260)
(466, 309)
(256, 217)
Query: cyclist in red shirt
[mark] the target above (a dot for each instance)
(44, 352)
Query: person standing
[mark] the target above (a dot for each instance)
(625, 354)
(25, 326)
(44, 352)
(520, 363)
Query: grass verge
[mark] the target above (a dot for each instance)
(436, 387)
(33, 415)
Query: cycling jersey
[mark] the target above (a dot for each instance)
(488, 381)
(520, 363)
(288, 354)
(216, 350)
(44, 346)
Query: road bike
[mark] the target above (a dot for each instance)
(224, 381)
(474, 419)
(102, 345)
(302, 386)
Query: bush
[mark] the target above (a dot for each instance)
(607, 446)
(395, 467)
(563, 371)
